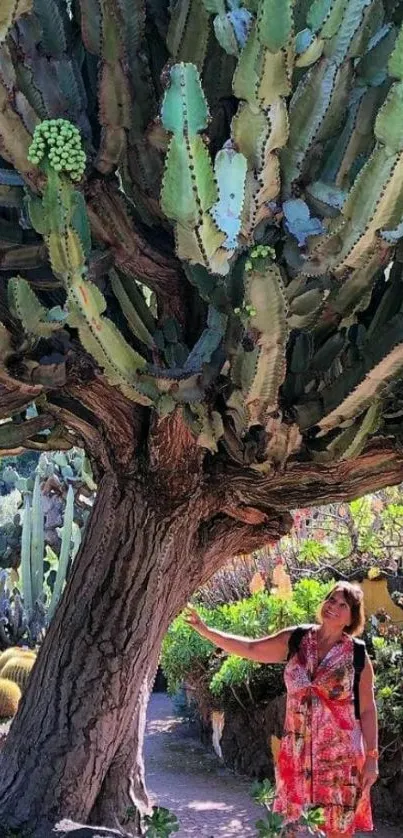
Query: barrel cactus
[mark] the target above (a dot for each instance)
(18, 670)
(10, 695)
(12, 653)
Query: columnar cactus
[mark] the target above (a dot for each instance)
(39, 597)
(313, 128)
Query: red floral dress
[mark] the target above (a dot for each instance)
(322, 751)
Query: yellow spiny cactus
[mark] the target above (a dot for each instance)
(18, 669)
(14, 652)
(10, 695)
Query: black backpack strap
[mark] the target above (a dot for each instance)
(295, 639)
(359, 663)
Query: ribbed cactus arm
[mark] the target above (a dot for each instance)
(11, 11)
(63, 221)
(200, 204)
(37, 542)
(65, 553)
(26, 569)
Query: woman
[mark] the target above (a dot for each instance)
(328, 758)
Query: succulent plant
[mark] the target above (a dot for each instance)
(57, 472)
(18, 670)
(313, 128)
(39, 607)
(161, 823)
(10, 695)
(15, 654)
(28, 600)
(13, 619)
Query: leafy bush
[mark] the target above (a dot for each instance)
(187, 656)
(183, 652)
(342, 539)
(389, 679)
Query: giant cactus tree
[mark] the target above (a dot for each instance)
(201, 284)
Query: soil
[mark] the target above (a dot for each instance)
(183, 775)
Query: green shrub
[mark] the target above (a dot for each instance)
(183, 651)
(389, 680)
(186, 655)
(232, 673)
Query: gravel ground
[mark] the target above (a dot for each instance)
(209, 801)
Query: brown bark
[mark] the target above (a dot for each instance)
(310, 483)
(112, 225)
(14, 396)
(89, 686)
(74, 750)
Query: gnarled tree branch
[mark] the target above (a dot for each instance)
(112, 225)
(309, 483)
(15, 395)
(119, 421)
(175, 460)
(223, 539)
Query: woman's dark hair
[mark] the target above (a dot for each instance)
(354, 597)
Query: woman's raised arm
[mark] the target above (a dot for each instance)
(271, 649)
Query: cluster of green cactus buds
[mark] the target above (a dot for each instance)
(60, 142)
(260, 251)
(246, 311)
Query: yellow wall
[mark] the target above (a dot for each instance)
(376, 596)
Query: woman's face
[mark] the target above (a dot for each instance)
(336, 612)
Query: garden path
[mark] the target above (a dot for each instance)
(209, 801)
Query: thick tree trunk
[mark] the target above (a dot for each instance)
(79, 754)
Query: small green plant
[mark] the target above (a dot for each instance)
(270, 826)
(161, 823)
(312, 821)
(263, 792)
(273, 824)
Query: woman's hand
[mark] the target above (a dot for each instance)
(370, 774)
(192, 617)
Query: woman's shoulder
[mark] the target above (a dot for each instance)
(304, 628)
(297, 634)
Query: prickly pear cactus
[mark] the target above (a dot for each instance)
(208, 220)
